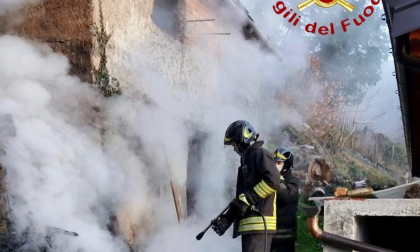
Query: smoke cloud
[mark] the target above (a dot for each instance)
(58, 174)
(75, 159)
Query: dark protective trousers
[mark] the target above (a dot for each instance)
(255, 242)
(284, 245)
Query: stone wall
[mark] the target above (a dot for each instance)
(64, 25)
(142, 57)
(138, 47)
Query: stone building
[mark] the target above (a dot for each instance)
(179, 43)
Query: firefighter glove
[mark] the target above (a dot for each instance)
(241, 204)
(221, 225)
(283, 186)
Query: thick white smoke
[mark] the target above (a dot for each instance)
(58, 174)
(242, 74)
(63, 173)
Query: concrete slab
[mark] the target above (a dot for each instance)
(340, 216)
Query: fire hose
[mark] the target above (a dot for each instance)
(200, 235)
(265, 226)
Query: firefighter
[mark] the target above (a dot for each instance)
(257, 183)
(287, 203)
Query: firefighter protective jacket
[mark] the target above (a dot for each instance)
(258, 180)
(287, 204)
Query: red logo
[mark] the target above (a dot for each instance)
(293, 18)
(326, 4)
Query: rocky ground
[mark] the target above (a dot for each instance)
(316, 166)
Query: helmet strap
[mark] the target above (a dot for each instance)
(284, 171)
(256, 137)
(287, 165)
(243, 147)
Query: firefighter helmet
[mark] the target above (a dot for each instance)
(241, 132)
(285, 155)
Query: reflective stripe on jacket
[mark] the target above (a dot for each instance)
(287, 206)
(256, 223)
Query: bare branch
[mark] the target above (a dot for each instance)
(363, 123)
(376, 117)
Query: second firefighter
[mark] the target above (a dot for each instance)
(287, 203)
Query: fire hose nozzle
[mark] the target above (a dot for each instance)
(200, 235)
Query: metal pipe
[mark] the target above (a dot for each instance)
(337, 240)
(201, 20)
(314, 228)
(217, 33)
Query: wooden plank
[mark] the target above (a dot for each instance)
(173, 188)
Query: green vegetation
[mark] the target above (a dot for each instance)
(350, 168)
(355, 171)
(109, 86)
(305, 242)
(380, 178)
(394, 153)
(341, 168)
